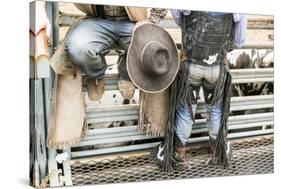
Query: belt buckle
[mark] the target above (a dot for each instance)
(212, 59)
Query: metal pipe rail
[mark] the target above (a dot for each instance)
(130, 112)
(234, 123)
(146, 146)
(131, 133)
(238, 76)
(114, 51)
(126, 134)
(67, 19)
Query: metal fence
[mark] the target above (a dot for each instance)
(76, 171)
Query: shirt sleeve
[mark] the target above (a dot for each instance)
(240, 30)
(177, 15)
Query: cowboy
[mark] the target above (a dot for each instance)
(83, 50)
(94, 35)
(206, 39)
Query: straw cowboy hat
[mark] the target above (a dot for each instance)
(152, 59)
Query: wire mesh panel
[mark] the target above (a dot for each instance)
(250, 156)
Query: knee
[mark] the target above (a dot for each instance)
(72, 47)
(84, 54)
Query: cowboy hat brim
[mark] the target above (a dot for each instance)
(141, 36)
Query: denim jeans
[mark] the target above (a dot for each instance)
(91, 38)
(207, 77)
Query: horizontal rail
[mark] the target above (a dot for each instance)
(67, 19)
(238, 76)
(235, 122)
(248, 45)
(130, 112)
(234, 135)
(140, 136)
(237, 127)
(258, 45)
(252, 75)
(264, 119)
(231, 136)
(253, 24)
(80, 154)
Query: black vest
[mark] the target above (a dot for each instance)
(205, 37)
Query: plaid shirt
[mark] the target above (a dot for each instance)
(156, 14)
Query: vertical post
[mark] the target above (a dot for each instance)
(67, 169)
(52, 13)
(38, 155)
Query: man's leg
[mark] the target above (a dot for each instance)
(185, 114)
(124, 33)
(211, 77)
(214, 112)
(184, 121)
(86, 46)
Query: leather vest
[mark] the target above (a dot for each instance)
(206, 38)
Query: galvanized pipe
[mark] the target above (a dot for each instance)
(199, 140)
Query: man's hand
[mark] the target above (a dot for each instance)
(141, 23)
(182, 56)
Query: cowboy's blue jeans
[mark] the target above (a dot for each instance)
(207, 77)
(91, 38)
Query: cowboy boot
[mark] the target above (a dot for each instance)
(127, 89)
(95, 89)
(211, 160)
(180, 158)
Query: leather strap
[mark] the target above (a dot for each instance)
(100, 11)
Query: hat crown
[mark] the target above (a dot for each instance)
(155, 59)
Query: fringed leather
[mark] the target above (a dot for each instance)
(220, 155)
(178, 94)
(153, 113)
(169, 132)
(66, 144)
(180, 91)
